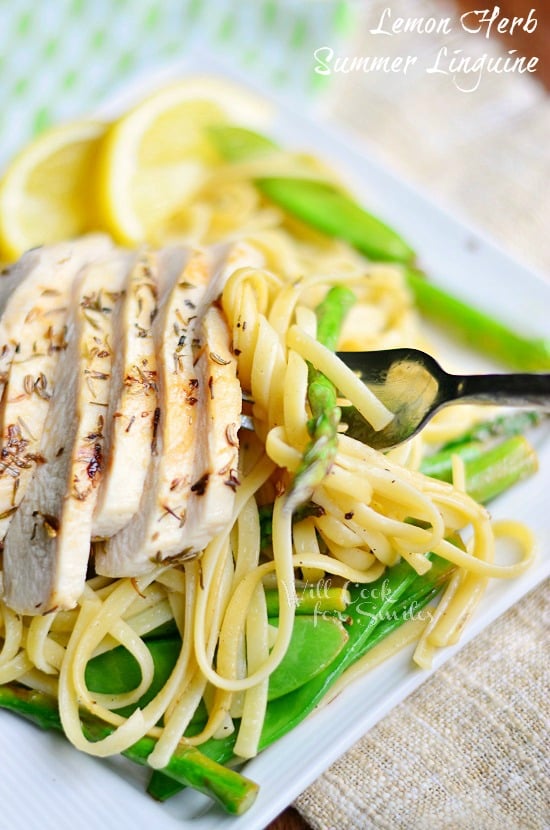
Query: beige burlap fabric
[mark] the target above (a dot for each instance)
(469, 750)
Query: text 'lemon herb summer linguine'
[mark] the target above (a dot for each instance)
(177, 588)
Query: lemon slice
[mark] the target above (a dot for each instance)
(46, 191)
(155, 157)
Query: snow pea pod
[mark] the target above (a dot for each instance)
(320, 204)
(371, 605)
(328, 209)
(381, 603)
(316, 642)
(235, 143)
(116, 671)
(323, 206)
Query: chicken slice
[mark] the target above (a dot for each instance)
(27, 284)
(47, 545)
(215, 475)
(130, 420)
(157, 530)
(132, 402)
(34, 324)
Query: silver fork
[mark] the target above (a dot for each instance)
(412, 385)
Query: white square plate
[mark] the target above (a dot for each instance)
(44, 780)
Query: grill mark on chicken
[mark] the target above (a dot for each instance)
(96, 462)
(156, 421)
(199, 487)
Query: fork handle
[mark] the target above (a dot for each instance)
(505, 390)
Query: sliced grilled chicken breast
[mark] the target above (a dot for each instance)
(215, 475)
(33, 325)
(157, 530)
(131, 420)
(47, 545)
(132, 402)
(25, 286)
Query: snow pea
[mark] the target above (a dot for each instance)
(328, 209)
(371, 605)
(116, 671)
(316, 642)
(320, 204)
(235, 143)
(325, 207)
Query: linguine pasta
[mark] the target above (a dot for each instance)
(371, 509)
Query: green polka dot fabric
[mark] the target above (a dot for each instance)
(59, 59)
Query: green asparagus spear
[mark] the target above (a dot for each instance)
(439, 464)
(502, 466)
(188, 766)
(504, 426)
(320, 452)
(322, 397)
(161, 788)
(489, 471)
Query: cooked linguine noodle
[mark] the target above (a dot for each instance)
(372, 509)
